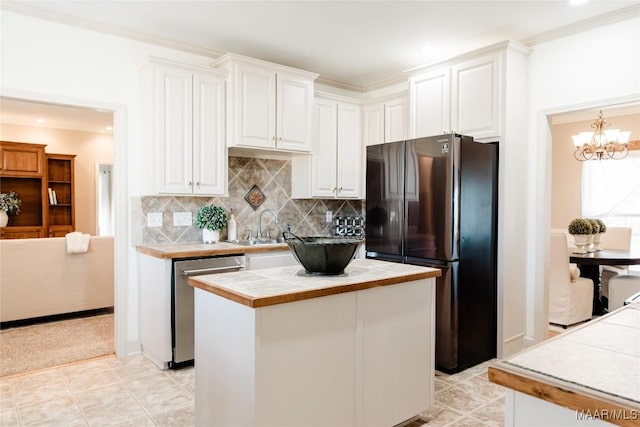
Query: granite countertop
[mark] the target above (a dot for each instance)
(184, 250)
(599, 360)
(280, 285)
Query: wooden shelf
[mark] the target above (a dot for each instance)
(60, 170)
(30, 172)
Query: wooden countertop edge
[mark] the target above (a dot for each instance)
(257, 302)
(564, 394)
(238, 249)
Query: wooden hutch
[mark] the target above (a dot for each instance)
(29, 171)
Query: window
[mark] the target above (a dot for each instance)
(611, 191)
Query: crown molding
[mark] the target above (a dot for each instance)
(584, 25)
(87, 24)
(339, 85)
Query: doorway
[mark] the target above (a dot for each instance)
(79, 130)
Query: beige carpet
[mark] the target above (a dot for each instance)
(29, 348)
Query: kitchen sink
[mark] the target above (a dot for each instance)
(255, 242)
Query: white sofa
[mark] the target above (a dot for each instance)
(38, 277)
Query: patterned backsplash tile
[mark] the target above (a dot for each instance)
(306, 216)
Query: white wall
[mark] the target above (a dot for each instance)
(595, 68)
(52, 62)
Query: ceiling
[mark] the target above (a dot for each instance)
(359, 45)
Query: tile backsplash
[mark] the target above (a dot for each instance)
(306, 216)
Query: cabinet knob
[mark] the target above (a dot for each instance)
(190, 184)
(197, 184)
(340, 189)
(273, 138)
(334, 188)
(280, 138)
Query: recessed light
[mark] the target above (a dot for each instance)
(108, 127)
(40, 120)
(577, 2)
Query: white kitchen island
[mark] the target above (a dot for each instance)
(278, 347)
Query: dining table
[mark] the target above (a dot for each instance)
(589, 264)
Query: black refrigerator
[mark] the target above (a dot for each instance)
(433, 201)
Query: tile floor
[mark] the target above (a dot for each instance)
(133, 392)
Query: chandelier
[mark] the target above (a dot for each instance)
(602, 143)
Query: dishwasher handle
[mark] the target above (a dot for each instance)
(201, 271)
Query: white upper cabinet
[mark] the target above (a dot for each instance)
(429, 100)
(463, 97)
(269, 106)
(475, 97)
(386, 121)
(184, 120)
(349, 152)
(334, 170)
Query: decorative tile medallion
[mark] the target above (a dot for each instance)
(255, 197)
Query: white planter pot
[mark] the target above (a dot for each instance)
(210, 236)
(4, 219)
(582, 243)
(597, 239)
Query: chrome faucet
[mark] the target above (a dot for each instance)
(275, 217)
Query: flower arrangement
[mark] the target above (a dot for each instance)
(603, 226)
(211, 217)
(580, 226)
(10, 203)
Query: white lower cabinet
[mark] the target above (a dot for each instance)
(362, 358)
(257, 261)
(334, 170)
(184, 122)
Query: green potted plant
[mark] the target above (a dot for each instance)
(9, 205)
(211, 219)
(580, 229)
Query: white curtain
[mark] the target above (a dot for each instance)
(611, 188)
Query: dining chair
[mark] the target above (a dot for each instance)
(619, 239)
(621, 287)
(570, 296)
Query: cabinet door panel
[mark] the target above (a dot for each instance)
(475, 100)
(294, 103)
(324, 149)
(257, 102)
(395, 120)
(18, 159)
(374, 125)
(349, 151)
(175, 130)
(429, 104)
(209, 144)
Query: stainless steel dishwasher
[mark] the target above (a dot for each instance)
(182, 300)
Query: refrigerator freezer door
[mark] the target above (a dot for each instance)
(431, 197)
(385, 192)
(447, 314)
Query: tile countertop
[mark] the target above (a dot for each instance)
(595, 366)
(281, 285)
(184, 250)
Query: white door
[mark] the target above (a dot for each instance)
(323, 176)
(294, 105)
(350, 152)
(256, 107)
(209, 142)
(429, 104)
(175, 109)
